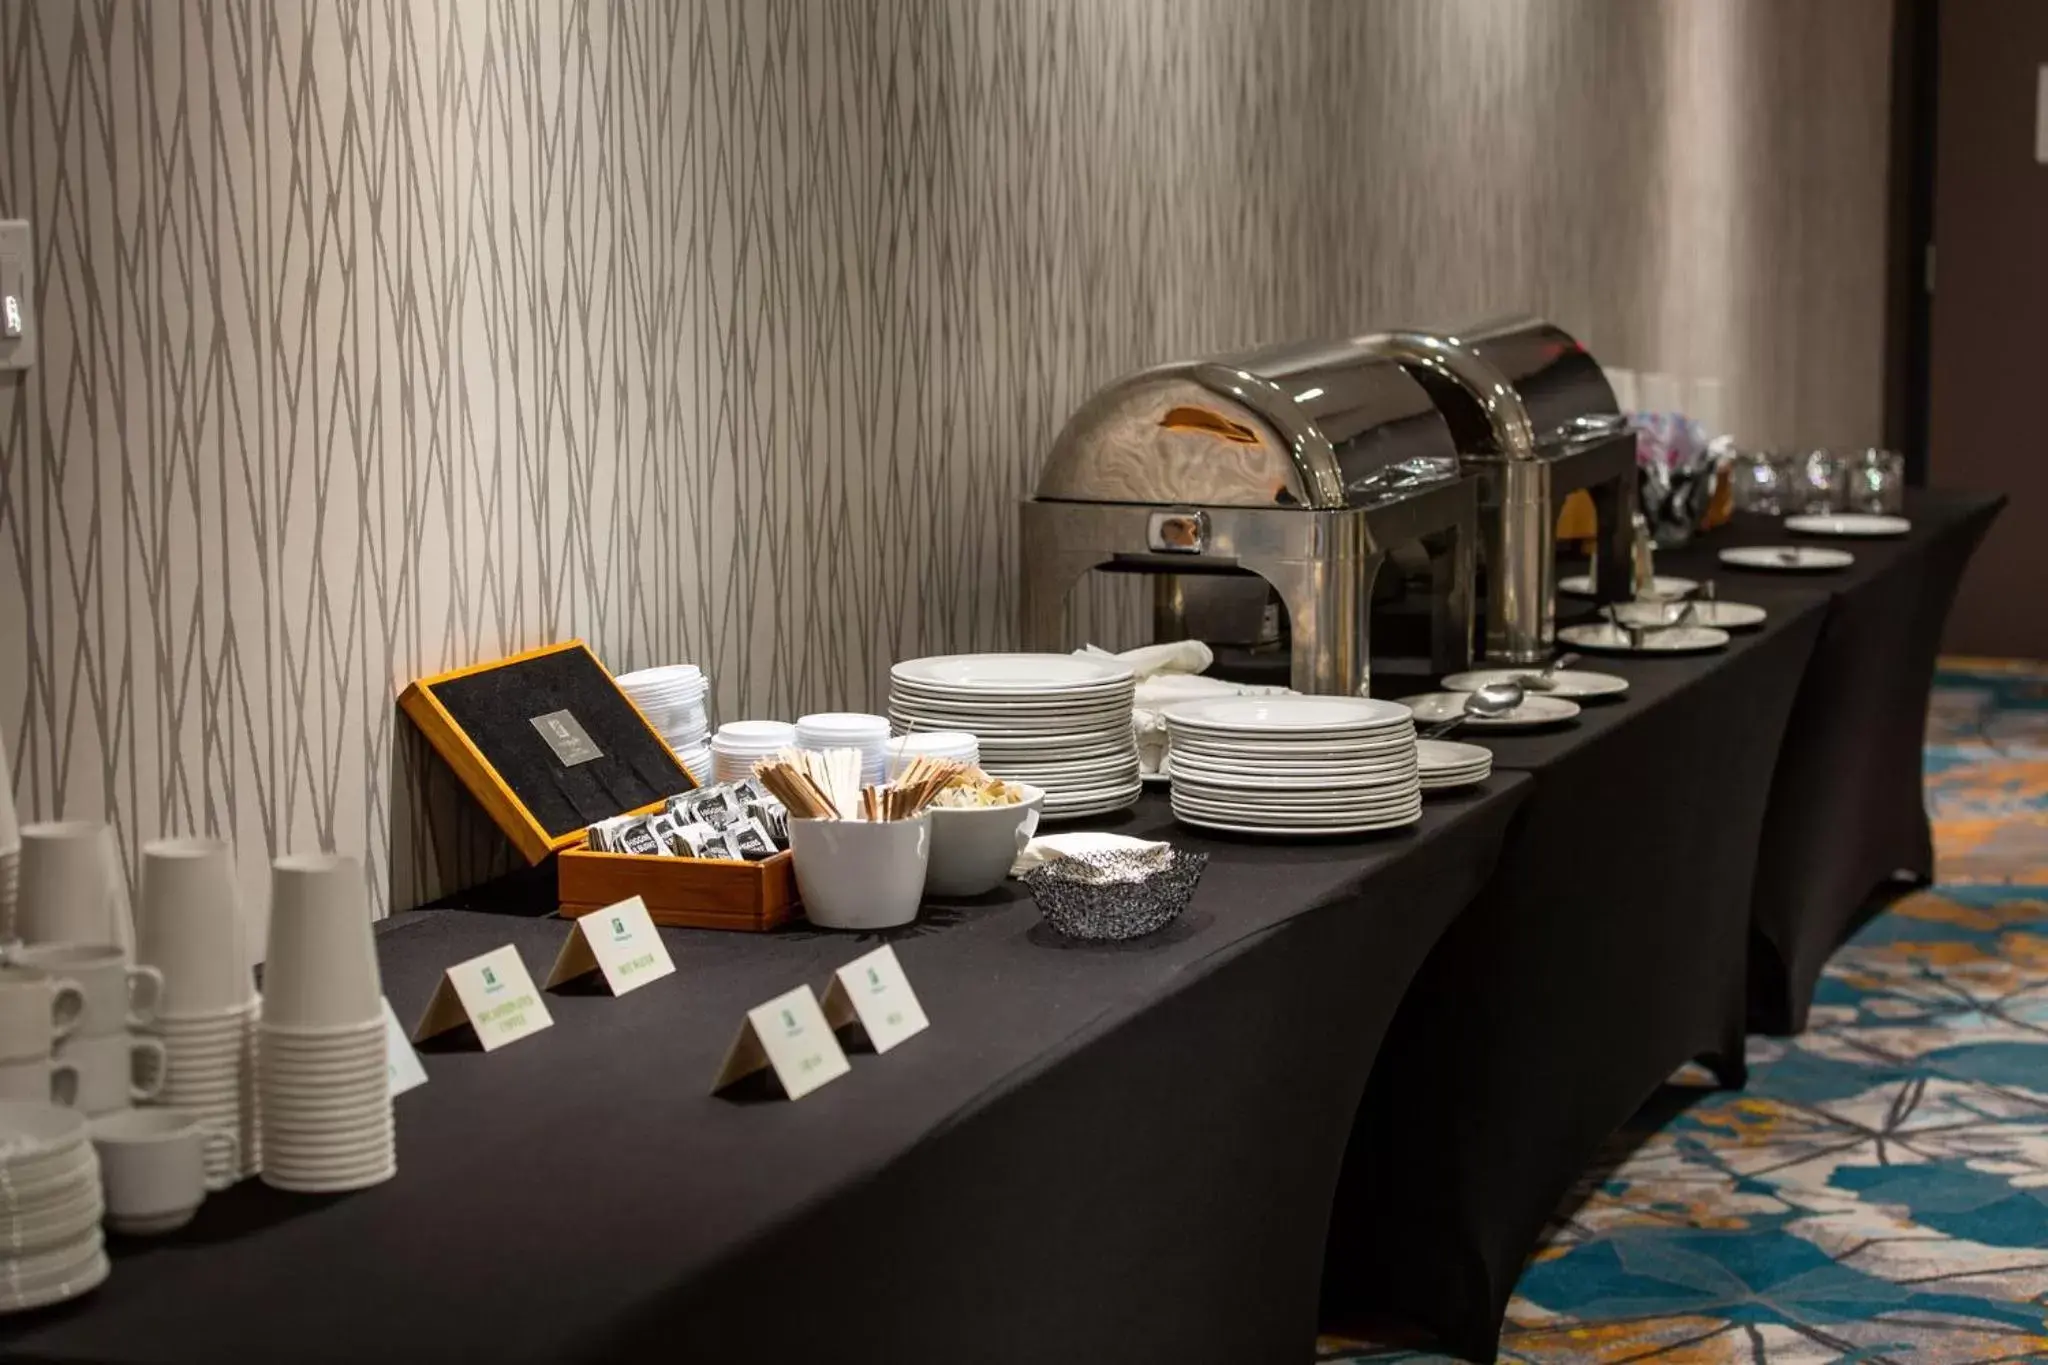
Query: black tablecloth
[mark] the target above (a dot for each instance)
(1096, 1153)
(1607, 951)
(1846, 811)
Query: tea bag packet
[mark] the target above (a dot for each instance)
(716, 806)
(636, 835)
(748, 839)
(688, 839)
(773, 817)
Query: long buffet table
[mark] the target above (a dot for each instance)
(1127, 1153)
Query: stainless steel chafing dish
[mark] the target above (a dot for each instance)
(1534, 419)
(1302, 465)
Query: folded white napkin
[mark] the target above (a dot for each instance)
(1166, 674)
(1039, 852)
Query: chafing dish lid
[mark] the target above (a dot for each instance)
(1305, 425)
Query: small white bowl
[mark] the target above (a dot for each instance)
(974, 847)
(857, 875)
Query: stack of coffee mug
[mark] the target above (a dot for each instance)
(100, 1062)
(190, 931)
(37, 1011)
(321, 1077)
(50, 1207)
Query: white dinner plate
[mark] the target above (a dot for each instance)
(1566, 682)
(1848, 524)
(1287, 716)
(1293, 778)
(1261, 812)
(1606, 637)
(1075, 742)
(1011, 672)
(1581, 585)
(1298, 797)
(1720, 615)
(1026, 709)
(1537, 709)
(1787, 558)
(1303, 831)
(1317, 750)
(1095, 806)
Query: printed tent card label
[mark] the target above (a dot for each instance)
(493, 994)
(790, 1037)
(873, 992)
(400, 1061)
(620, 942)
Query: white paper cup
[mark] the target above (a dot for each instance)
(67, 891)
(857, 875)
(115, 996)
(974, 847)
(322, 966)
(115, 1071)
(190, 926)
(39, 1080)
(36, 1009)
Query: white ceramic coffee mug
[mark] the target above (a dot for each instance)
(117, 996)
(37, 1008)
(39, 1080)
(153, 1167)
(114, 1072)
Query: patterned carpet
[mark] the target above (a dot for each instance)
(1880, 1191)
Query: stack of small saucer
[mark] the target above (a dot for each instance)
(1446, 765)
(321, 1077)
(190, 930)
(740, 744)
(849, 730)
(956, 745)
(672, 699)
(1294, 766)
(50, 1207)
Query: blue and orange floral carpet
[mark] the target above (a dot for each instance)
(1880, 1191)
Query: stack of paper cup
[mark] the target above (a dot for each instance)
(190, 930)
(672, 699)
(50, 1207)
(849, 730)
(71, 890)
(321, 1079)
(950, 744)
(740, 744)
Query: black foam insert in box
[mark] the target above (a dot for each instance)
(496, 709)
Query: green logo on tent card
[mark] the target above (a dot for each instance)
(619, 934)
(491, 982)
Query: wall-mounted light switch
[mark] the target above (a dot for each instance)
(17, 317)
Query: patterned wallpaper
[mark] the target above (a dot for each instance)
(383, 336)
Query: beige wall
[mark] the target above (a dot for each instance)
(385, 338)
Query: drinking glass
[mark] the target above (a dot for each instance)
(1818, 489)
(1876, 482)
(1759, 482)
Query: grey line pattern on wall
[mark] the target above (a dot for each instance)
(386, 336)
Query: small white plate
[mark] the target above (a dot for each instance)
(1287, 716)
(1581, 585)
(1446, 755)
(1566, 682)
(1849, 524)
(1787, 558)
(1537, 709)
(1609, 638)
(1720, 615)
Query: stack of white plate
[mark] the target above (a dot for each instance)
(1294, 765)
(1446, 764)
(740, 744)
(50, 1207)
(1059, 722)
(321, 1078)
(957, 745)
(672, 699)
(849, 730)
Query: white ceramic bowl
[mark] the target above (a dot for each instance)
(973, 847)
(856, 875)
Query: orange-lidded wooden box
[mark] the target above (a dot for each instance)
(549, 745)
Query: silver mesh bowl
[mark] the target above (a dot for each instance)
(1109, 897)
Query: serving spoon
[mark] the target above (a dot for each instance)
(1490, 702)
